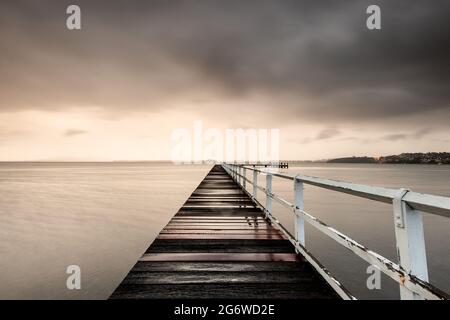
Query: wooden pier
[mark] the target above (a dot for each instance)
(220, 245)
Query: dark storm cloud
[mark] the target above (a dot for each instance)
(309, 60)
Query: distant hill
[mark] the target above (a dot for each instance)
(419, 158)
(403, 158)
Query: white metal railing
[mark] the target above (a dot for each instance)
(411, 272)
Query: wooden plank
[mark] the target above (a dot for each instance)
(225, 266)
(220, 227)
(212, 202)
(219, 205)
(220, 211)
(224, 223)
(220, 257)
(212, 236)
(218, 220)
(240, 222)
(223, 232)
(177, 217)
(276, 277)
(234, 246)
(309, 290)
(234, 213)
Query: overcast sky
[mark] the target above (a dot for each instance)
(138, 70)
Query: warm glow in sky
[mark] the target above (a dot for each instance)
(117, 89)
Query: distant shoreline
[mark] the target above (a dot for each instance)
(437, 158)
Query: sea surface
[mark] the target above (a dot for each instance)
(99, 216)
(102, 217)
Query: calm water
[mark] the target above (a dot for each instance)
(103, 216)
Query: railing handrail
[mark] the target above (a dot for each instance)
(428, 203)
(411, 272)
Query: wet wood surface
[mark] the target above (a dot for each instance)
(219, 245)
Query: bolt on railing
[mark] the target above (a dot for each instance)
(411, 271)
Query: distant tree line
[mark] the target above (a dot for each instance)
(407, 158)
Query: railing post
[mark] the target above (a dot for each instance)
(410, 239)
(244, 180)
(299, 205)
(240, 176)
(269, 191)
(255, 183)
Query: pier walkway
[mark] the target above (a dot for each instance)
(221, 245)
(225, 243)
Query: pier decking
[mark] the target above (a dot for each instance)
(220, 245)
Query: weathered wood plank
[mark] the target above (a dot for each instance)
(224, 232)
(220, 227)
(219, 256)
(227, 236)
(225, 266)
(234, 246)
(275, 277)
(308, 290)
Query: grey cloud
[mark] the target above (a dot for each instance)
(421, 133)
(309, 60)
(328, 133)
(395, 137)
(305, 140)
(404, 136)
(325, 134)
